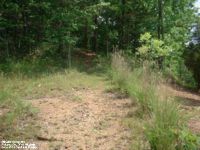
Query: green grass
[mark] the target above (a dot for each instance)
(136, 125)
(26, 80)
(52, 84)
(14, 112)
(161, 133)
(156, 124)
(164, 126)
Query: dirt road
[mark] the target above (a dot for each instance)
(91, 119)
(85, 120)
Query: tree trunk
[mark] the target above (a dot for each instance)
(160, 20)
(95, 34)
(107, 46)
(85, 38)
(69, 57)
(121, 42)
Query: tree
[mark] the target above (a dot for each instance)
(160, 19)
(22, 26)
(97, 25)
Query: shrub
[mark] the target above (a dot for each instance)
(192, 59)
(169, 57)
(153, 49)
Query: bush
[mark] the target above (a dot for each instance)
(30, 67)
(192, 57)
(169, 58)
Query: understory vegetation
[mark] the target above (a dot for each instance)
(160, 123)
(53, 29)
(48, 48)
(165, 127)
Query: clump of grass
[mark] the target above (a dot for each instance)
(134, 81)
(13, 112)
(120, 71)
(161, 132)
(164, 128)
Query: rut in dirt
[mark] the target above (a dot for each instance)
(91, 121)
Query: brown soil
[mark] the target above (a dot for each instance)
(190, 102)
(194, 97)
(89, 121)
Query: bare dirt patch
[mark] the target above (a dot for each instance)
(194, 125)
(94, 122)
(191, 103)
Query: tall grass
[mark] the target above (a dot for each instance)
(137, 82)
(143, 85)
(13, 112)
(161, 132)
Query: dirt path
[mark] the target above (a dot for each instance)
(187, 95)
(91, 120)
(191, 103)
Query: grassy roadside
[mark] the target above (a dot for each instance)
(156, 122)
(161, 123)
(24, 82)
(15, 114)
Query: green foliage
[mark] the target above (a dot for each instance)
(188, 141)
(25, 25)
(151, 48)
(97, 25)
(22, 26)
(169, 58)
(171, 138)
(192, 57)
(30, 68)
(177, 70)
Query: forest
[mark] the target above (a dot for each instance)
(101, 74)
